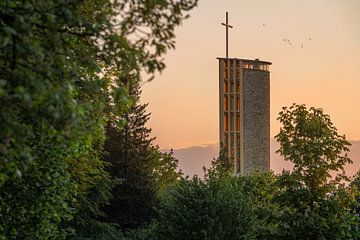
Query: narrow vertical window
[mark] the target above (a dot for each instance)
(238, 122)
(225, 122)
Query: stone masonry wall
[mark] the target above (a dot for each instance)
(256, 120)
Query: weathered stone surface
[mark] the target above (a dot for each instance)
(256, 120)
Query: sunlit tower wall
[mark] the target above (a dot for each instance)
(244, 91)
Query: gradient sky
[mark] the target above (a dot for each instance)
(324, 73)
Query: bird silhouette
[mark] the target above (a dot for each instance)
(288, 41)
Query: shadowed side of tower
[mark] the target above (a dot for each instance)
(244, 91)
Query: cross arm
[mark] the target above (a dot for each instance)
(227, 25)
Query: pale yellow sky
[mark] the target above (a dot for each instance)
(324, 73)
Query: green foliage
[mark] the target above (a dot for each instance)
(306, 203)
(32, 205)
(41, 123)
(64, 69)
(165, 172)
(221, 166)
(145, 172)
(147, 233)
(132, 201)
(312, 205)
(216, 208)
(130, 154)
(86, 223)
(355, 184)
(309, 139)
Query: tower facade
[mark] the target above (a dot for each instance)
(244, 91)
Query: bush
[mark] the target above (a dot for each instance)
(215, 208)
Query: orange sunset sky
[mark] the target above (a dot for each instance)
(324, 73)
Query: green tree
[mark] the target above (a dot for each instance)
(144, 171)
(355, 185)
(41, 122)
(165, 170)
(223, 207)
(132, 201)
(220, 166)
(312, 203)
(60, 64)
(86, 223)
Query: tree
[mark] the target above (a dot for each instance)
(144, 171)
(355, 185)
(165, 170)
(132, 200)
(60, 64)
(86, 223)
(224, 207)
(312, 204)
(221, 166)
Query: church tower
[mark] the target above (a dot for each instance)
(244, 100)
(244, 91)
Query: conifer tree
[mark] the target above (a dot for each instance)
(142, 169)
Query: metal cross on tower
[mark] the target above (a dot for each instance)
(227, 25)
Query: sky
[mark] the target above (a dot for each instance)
(324, 73)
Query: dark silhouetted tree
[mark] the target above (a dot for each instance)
(143, 170)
